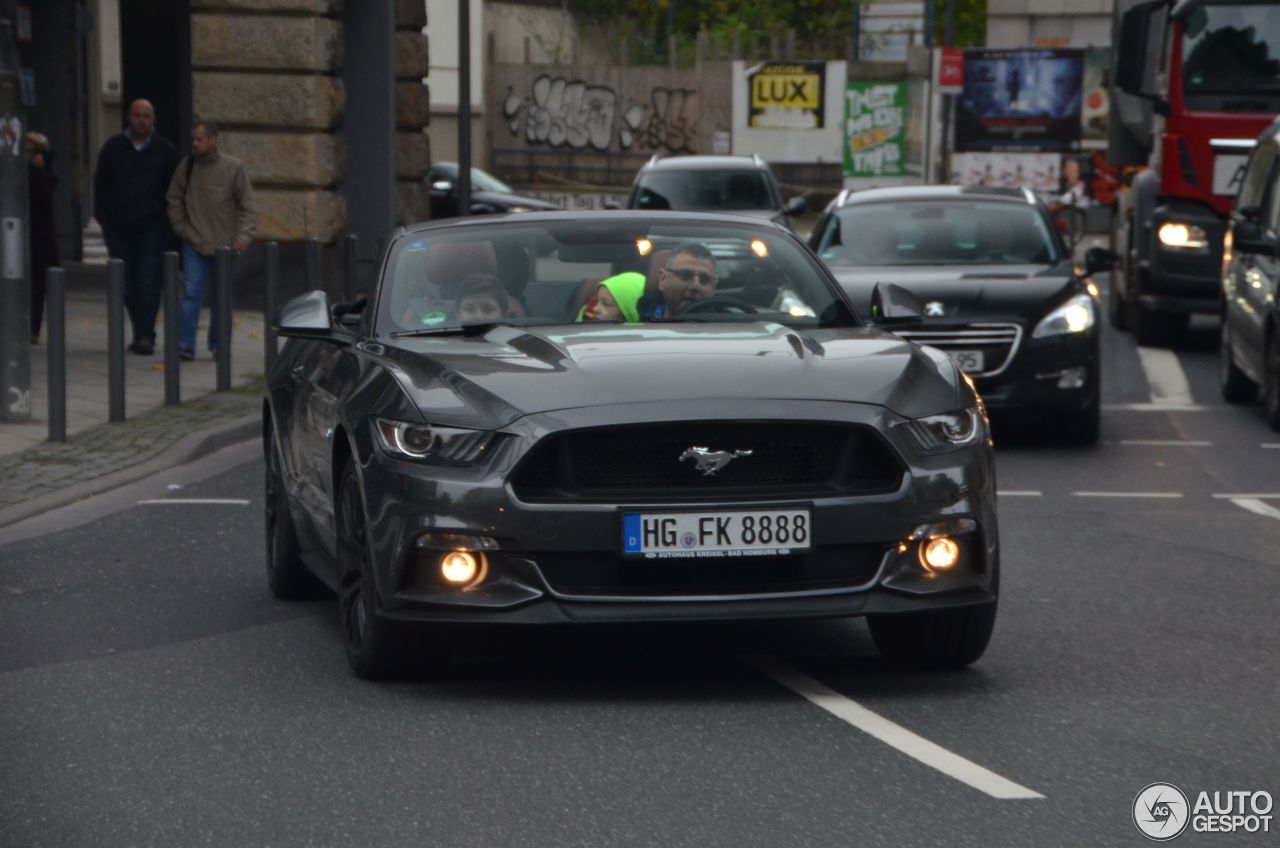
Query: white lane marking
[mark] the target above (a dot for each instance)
(1274, 447)
(1127, 494)
(213, 501)
(1015, 494)
(1256, 506)
(1170, 443)
(1258, 496)
(1165, 376)
(893, 735)
(1157, 407)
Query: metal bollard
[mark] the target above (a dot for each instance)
(269, 307)
(222, 317)
(56, 300)
(313, 264)
(349, 246)
(172, 325)
(115, 340)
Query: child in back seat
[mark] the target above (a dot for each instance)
(616, 299)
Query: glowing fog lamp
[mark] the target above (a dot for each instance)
(940, 554)
(460, 568)
(1182, 236)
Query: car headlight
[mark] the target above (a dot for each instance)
(1077, 315)
(1176, 236)
(437, 445)
(514, 209)
(949, 431)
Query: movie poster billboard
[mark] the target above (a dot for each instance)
(875, 122)
(1027, 100)
(786, 95)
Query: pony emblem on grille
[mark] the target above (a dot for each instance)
(709, 461)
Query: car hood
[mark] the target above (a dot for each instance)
(970, 292)
(510, 372)
(506, 201)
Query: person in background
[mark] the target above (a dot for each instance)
(210, 206)
(44, 237)
(1073, 190)
(129, 183)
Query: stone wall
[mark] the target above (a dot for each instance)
(269, 72)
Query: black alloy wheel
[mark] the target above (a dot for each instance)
(1236, 385)
(938, 639)
(287, 576)
(371, 643)
(1271, 391)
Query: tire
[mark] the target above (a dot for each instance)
(372, 644)
(1157, 329)
(288, 577)
(1236, 385)
(940, 639)
(1271, 377)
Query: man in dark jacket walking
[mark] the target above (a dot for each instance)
(129, 184)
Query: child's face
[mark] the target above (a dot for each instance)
(606, 307)
(480, 307)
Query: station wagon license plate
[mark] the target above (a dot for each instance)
(667, 535)
(970, 361)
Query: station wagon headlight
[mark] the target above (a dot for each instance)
(1077, 315)
(947, 432)
(437, 445)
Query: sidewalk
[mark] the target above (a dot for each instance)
(37, 475)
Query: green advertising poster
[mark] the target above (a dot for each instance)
(875, 122)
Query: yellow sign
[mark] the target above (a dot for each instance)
(787, 95)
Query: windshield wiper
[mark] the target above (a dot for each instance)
(478, 328)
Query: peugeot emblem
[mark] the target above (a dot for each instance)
(708, 461)
(934, 309)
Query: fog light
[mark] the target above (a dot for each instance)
(1072, 378)
(940, 554)
(459, 568)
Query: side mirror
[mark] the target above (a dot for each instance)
(1132, 63)
(1248, 213)
(1099, 259)
(796, 206)
(306, 316)
(1258, 245)
(892, 304)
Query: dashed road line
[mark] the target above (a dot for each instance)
(1157, 407)
(1166, 443)
(1258, 507)
(1273, 447)
(1017, 494)
(1257, 496)
(1127, 494)
(202, 501)
(894, 735)
(1165, 376)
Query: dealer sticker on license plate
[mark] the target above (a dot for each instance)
(968, 360)
(662, 535)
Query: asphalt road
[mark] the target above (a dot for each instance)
(152, 693)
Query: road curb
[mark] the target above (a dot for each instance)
(189, 447)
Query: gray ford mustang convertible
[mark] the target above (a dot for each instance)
(624, 417)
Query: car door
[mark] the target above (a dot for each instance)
(1246, 285)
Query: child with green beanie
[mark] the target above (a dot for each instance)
(616, 299)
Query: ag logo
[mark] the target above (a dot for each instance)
(1161, 812)
(934, 309)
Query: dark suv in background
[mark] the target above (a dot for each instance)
(738, 184)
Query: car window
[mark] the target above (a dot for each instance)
(695, 190)
(937, 233)
(551, 272)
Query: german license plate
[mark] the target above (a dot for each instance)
(667, 535)
(968, 360)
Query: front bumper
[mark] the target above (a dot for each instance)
(1044, 375)
(560, 561)
(1179, 279)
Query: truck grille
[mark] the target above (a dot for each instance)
(998, 342)
(641, 462)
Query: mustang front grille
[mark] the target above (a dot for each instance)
(719, 459)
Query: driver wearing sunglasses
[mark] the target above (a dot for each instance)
(689, 276)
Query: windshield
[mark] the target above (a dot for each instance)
(1232, 48)
(704, 190)
(625, 270)
(937, 233)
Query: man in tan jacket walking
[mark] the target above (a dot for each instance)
(210, 206)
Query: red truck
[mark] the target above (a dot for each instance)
(1194, 83)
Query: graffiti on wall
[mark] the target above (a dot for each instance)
(571, 113)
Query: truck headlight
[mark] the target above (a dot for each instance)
(1077, 315)
(1177, 236)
